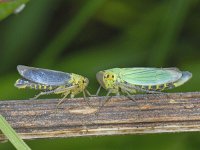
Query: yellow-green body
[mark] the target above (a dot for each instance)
(140, 79)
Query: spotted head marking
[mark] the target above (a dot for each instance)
(107, 80)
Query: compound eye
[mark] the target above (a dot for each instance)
(112, 76)
(107, 76)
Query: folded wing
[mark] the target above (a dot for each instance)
(44, 76)
(150, 76)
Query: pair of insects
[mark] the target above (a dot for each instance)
(116, 80)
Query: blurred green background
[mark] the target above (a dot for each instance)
(91, 35)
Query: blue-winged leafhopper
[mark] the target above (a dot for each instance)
(51, 82)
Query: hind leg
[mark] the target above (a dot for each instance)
(43, 93)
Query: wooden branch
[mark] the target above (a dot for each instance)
(157, 113)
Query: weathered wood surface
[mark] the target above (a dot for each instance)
(157, 113)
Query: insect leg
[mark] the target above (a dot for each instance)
(43, 93)
(130, 96)
(97, 93)
(61, 89)
(88, 93)
(126, 91)
(86, 98)
(148, 91)
(55, 91)
(65, 91)
(107, 98)
(61, 100)
(128, 88)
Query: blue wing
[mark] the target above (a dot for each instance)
(44, 76)
(150, 76)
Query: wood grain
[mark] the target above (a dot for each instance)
(151, 113)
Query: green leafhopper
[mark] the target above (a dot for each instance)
(141, 79)
(51, 82)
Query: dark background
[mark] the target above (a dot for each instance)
(84, 37)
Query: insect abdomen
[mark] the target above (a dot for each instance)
(22, 84)
(159, 87)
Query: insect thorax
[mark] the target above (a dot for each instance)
(80, 82)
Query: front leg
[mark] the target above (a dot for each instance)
(99, 89)
(103, 102)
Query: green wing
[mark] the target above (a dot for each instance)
(149, 76)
